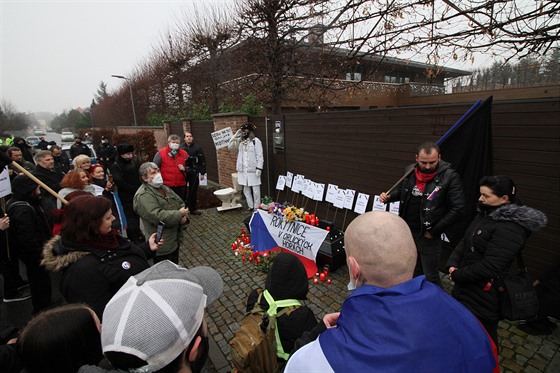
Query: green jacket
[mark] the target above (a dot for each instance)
(152, 207)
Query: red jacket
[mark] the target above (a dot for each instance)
(172, 176)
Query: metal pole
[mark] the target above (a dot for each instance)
(131, 99)
(267, 152)
(133, 109)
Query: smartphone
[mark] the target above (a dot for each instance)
(159, 231)
(110, 178)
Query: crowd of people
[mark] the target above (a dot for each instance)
(125, 314)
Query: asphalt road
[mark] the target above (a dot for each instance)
(53, 136)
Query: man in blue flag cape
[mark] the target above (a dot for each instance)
(393, 322)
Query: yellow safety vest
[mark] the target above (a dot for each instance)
(272, 311)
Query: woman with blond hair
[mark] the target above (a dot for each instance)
(82, 161)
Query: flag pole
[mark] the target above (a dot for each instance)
(449, 131)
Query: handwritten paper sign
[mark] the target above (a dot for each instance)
(296, 236)
(361, 203)
(221, 137)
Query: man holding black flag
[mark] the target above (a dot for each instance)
(196, 171)
(431, 200)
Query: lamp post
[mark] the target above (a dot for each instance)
(131, 99)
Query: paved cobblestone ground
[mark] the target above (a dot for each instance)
(208, 242)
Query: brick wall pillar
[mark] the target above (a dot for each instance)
(186, 125)
(226, 158)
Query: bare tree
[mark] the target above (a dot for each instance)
(283, 47)
(273, 30)
(208, 33)
(11, 119)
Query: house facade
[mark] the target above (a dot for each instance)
(314, 77)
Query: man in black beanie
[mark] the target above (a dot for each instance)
(28, 232)
(127, 180)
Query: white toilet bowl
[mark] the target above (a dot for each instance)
(229, 196)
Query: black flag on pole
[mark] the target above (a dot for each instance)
(468, 147)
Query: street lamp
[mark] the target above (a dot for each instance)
(131, 99)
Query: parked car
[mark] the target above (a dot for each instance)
(66, 150)
(67, 136)
(32, 141)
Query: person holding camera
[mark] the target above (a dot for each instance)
(196, 171)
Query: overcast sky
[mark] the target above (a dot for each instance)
(53, 54)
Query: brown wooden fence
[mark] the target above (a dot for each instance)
(367, 151)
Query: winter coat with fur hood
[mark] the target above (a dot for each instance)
(487, 252)
(93, 276)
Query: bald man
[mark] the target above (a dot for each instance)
(393, 322)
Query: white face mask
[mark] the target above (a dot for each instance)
(351, 285)
(173, 146)
(157, 181)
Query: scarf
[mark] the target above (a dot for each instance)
(103, 242)
(422, 179)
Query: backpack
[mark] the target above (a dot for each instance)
(256, 345)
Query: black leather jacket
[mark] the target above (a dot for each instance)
(443, 200)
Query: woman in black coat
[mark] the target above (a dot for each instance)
(94, 259)
(489, 247)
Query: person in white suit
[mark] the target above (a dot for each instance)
(250, 160)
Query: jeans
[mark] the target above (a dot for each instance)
(429, 250)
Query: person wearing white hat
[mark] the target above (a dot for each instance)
(155, 322)
(250, 162)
